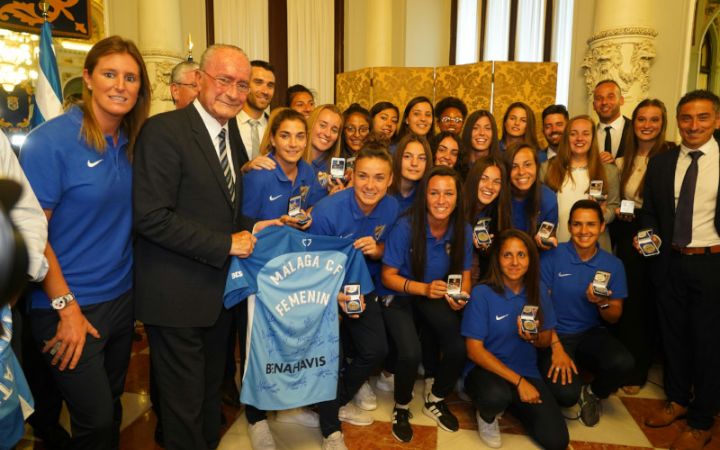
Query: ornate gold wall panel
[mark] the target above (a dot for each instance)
(399, 85)
(531, 83)
(470, 82)
(354, 87)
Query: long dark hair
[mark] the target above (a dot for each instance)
(398, 159)
(499, 209)
(531, 279)
(631, 145)
(418, 224)
(355, 108)
(494, 149)
(441, 137)
(379, 107)
(532, 203)
(530, 137)
(405, 128)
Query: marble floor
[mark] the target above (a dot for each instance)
(620, 427)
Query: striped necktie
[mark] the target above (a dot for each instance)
(225, 165)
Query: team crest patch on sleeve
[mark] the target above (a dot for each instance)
(379, 231)
(448, 246)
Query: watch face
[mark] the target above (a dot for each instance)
(58, 303)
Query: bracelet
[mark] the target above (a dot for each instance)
(405, 286)
(519, 381)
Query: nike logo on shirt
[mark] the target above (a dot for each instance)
(94, 163)
(563, 275)
(274, 197)
(501, 317)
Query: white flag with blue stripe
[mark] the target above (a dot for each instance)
(48, 94)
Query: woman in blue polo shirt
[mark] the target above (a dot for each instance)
(581, 337)
(532, 202)
(292, 176)
(79, 165)
(411, 161)
(487, 195)
(504, 374)
(324, 127)
(429, 243)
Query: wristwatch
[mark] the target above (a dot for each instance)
(61, 302)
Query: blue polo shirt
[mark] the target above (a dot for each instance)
(548, 210)
(90, 195)
(267, 192)
(492, 318)
(339, 215)
(437, 251)
(405, 202)
(567, 277)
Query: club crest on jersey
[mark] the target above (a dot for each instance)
(236, 274)
(306, 242)
(303, 192)
(379, 231)
(322, 178)
(447, 248)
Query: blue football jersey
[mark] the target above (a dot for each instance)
(293, 348)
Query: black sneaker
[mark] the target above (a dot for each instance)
(401, 428)
(439, 412)
(590, 407)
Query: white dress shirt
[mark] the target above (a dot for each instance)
(214, 127)
(615, 134)
(704, 233)
(27, 215)
(246, 130)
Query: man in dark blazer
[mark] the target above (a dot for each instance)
(607, 100)
(187, 192)
(682, 206)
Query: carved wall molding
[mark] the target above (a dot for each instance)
(623, 32)
(160, 52)
(159, 69)
(621, 54)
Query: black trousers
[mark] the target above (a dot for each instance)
(492, 395)
(597, 351)
(688, 309)
(189, 365)
(444, 326)
(92, 390)
(370, 350)
(637, 328)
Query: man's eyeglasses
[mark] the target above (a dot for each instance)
(241, 86)
(192, 85)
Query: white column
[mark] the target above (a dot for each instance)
(497, 30)
(161, 44)
(530, 31)
(622, 48)
(562, 47)
(378, 37)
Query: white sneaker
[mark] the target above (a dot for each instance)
(460, 389)
(428, 387)
(354, 415)
(385, 383)
(365, 398)
(489, 432)
(299, 416)
(260, 436)
(334, 442)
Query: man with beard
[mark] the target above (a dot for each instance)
(554, 119)
(253, 119)
(612, 126)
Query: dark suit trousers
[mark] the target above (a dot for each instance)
(189, 365)
(688, 309)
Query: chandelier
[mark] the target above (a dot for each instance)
(18, 58)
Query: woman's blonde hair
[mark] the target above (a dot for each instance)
(312, 120)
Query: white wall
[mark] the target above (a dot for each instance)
(427, 33)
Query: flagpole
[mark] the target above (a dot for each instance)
(48, 93)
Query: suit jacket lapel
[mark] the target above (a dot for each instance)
(205, 143)
(672, 168)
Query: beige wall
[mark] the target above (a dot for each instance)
(427, 33)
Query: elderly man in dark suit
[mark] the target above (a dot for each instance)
(682, 207)
(187, 195)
